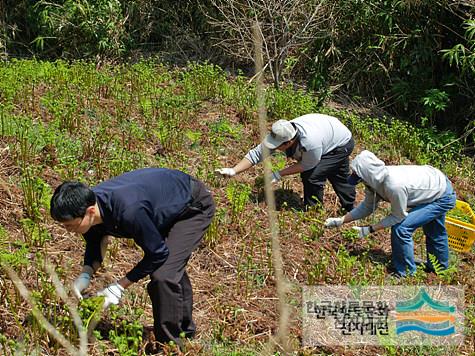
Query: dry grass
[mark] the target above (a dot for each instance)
(234, 287)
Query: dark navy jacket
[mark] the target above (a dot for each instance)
(142, 205)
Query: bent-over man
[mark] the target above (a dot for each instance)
(166, 212)
(420, 196)
(321, 145)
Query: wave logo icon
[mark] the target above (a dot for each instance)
(425, 315)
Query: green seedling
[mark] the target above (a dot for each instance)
(350, 235)
(447, 275)
(238, 196)
(127, 335)
(214, 232)
(90, 310)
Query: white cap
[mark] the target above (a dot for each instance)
(282, 131)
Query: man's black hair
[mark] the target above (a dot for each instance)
(70, 201)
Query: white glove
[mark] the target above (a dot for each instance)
(112, 294)
(333, 222)
(275, 177)
(226, 172)
(81, 283)
(362, 230)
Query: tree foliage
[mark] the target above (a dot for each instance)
(80, 28)
(392, 53)
(413, 58)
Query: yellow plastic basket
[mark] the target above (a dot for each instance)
(461, 234)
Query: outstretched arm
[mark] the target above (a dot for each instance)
(293, 169)
(348, 217)
(140, 225)
(253, 157)
(243, 165)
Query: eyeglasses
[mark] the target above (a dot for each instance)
(72, 226)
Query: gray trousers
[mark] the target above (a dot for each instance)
(170, 288)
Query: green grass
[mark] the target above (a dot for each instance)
(62, 120)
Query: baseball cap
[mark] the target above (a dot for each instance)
(282, 131)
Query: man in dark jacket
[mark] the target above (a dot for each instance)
(166, 212)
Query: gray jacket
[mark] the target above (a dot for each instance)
(402, 186)
(318, 134)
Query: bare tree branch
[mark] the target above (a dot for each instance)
(286, 26)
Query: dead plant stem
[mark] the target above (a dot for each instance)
(282, 341)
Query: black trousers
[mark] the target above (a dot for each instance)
(334, 166)
(170, 288)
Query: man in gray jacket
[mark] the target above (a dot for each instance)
(420, 196)
(320, 144)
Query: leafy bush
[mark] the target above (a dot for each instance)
(80, 28)
(393, 54)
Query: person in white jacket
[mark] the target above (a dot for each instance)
(420, 196)
(321, 145)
